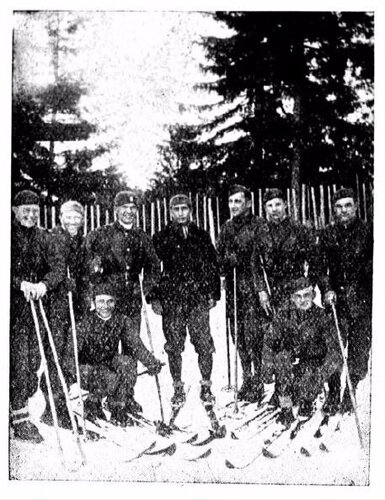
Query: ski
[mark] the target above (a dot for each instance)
(143, 452)
(261, 422)
(168, 450)
(205, 454)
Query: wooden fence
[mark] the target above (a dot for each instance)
(314, 207)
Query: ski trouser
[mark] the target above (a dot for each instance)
(177, 317)
(115, 381)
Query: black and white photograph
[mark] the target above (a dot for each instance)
(189, 290)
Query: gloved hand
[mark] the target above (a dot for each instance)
(157, 307)
(330, 297)
(232, 259)
(155, 368)
(96, 265)
(265, 302)
(39, 290)
(212, 303)
(27, 288)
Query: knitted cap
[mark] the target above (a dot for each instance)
(104, 288)
(343, 193)
(270, 194)
(26, 198)
(124, 198)
(300, 284)
(238, 188)
(180, 199)
(72, 206)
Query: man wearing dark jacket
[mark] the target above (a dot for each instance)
(305, 351)
(69, 239)
(104, 372)
(188, 289)
(346, 251)
(235, 247)
(37, 270)
(120, 252)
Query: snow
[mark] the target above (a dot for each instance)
(345, 464)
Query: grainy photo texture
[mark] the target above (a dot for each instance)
(191, 247)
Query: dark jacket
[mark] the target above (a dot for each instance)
(98, 343)
(35, 257)
(74, 251)
(235, 245)
(346, 260)
(190, 269)
(284, 247)
(123, 254)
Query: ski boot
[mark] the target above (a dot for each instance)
(305, 409)
(179, 397)
(93, 410)
(63, 417)
(245, 392)
(208, 400)
(256, 392)
(119, 415)
(26, 431)
(286, 417)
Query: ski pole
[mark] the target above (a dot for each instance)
(63, 383)
(350, 385)
(266, 280)
(228, 329)
(235, 343)
(48, 381)
(151, 344)
(75, 344)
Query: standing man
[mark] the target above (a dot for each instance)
(346, 250)
(305, 351)
(188, 289)
(37, 269)
(68, 237)
(120, 252)
(235, 247)
(287, 248)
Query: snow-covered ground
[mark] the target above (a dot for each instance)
(345, 463)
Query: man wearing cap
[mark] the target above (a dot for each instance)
(188, 289)
(120, 252)
(37, 270)
(346, 252)
(104, 372)
(68, 236)
(305, 351)
(235, 246)
(287, 247)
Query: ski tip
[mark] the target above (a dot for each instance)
(318, 433)
(305, 452)
(206, 454)
(170, 450)
(233, 435)
(192, 439)
(220, 432)
(268, 454)
(323, 447)
(229, 465)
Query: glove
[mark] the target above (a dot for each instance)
(157, 307)
(265, 302)
(27, 288)
(330, 297)
(155, 368)
(39, 290)
(96, 265)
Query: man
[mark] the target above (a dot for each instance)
(188, 289)
(69, 238)
(305, 351)
(346, 251)
(37, 270)
(287, 247)
(120, 252)
(103, 371)
(235, 246)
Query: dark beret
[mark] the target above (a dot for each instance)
(125, 197)
(104, 288)
(26, 198)
(180, 199)
(270, 194)
(343, 193)
(300, 284)
(238, 188)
